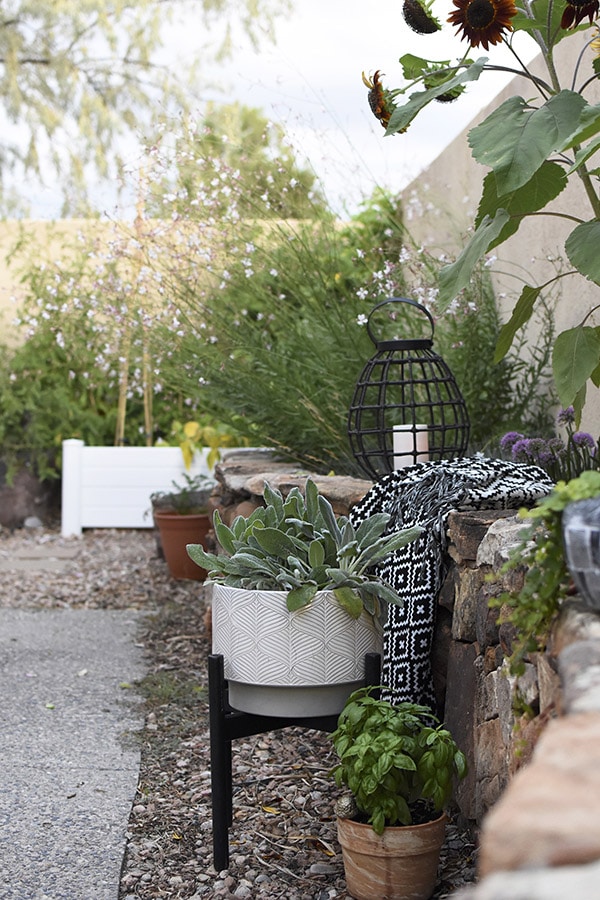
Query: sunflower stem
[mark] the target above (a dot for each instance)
(540, 85)
(584, 175)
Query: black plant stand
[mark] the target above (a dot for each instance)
(227, 724)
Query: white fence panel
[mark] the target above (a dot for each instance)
(110, 487)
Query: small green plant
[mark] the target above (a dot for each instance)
(391, 757)
(547, 580)
(300, 546)
(186, 499)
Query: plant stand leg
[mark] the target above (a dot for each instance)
(220, 763)
(227, 724)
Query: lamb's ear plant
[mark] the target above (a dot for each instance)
(299, 545)
(547, 580)
(391, 757)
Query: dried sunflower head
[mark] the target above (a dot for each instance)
(576, 11)
(380, 99)
(418, 16)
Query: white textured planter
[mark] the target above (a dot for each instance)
(303, 663)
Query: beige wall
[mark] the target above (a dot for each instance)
(32, 240)
(443, 201)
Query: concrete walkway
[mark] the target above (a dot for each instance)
(69, 751)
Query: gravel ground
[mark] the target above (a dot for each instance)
(282, 841)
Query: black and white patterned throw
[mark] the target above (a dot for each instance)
(425, 494)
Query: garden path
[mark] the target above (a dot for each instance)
(69, 757)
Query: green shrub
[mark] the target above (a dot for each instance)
(280, 338)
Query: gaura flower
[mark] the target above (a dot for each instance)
(483, 22)
(576, 10)
(380, 99)
(417, 16)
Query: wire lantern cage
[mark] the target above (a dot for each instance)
(407, 407)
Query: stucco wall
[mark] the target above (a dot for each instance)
(34, 240)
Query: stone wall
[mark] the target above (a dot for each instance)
(533, 742)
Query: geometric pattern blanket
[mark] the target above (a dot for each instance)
(425, 494)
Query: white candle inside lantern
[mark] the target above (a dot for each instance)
(411, 445)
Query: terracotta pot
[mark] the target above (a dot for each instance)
(281, 663)
(400, 864)
(176, 532)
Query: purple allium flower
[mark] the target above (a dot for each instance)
(520, 450)
(529, 450)
(551, 452)
(510, 438)
(583, 439)
(556, 448)
(566, 416)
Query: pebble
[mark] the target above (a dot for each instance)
(323, 869)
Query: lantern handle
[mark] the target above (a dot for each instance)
(414, 303)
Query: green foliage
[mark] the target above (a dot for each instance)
(75, 76)
(281, 341)
(514, 392)
(192, 437)
(188, 498)
(63, 379)
(249, 325)
(298, 545)
(392, 756)
(547, 578)
(533, 147)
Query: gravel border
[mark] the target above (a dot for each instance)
(283, 841)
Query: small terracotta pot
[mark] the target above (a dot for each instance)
(176, 532)
(400, 864)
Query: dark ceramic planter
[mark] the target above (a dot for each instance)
(581, 536)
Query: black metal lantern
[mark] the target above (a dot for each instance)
(407, 406)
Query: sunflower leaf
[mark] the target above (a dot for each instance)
(544, 185)
(587, 127)
(584, 154)
(403, 115)
(515, 140)
(582, 249)
(575, 357)
(455, 277)
(521, 314)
